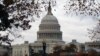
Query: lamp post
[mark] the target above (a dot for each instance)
(44, 48)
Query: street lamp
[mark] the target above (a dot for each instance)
(44, 48)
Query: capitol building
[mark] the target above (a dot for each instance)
(49, 32)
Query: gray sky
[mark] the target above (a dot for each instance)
(73, 27)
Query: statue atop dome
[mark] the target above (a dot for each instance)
(49, 9)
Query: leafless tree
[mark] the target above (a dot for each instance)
(83, 7)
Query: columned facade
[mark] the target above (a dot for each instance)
(49, 30)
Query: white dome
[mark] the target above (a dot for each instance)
(49, 19)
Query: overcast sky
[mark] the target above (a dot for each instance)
(73, 27)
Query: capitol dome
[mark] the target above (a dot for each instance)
(49, 32)
(49, 19)
(49, 27)
(49, 22)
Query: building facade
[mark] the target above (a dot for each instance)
(92, 45)
(21, 50)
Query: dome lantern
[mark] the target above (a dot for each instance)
(49, 9)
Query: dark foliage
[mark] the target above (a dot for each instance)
(70, 48)
(57, 48)
(83, 7)
(8, 2)
(4, 24)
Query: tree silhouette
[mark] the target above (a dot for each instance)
(4, 24)
(83, 7)
(70, 48)
(57, 48)
(94, 33)
(4, 18)
(8, 2)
